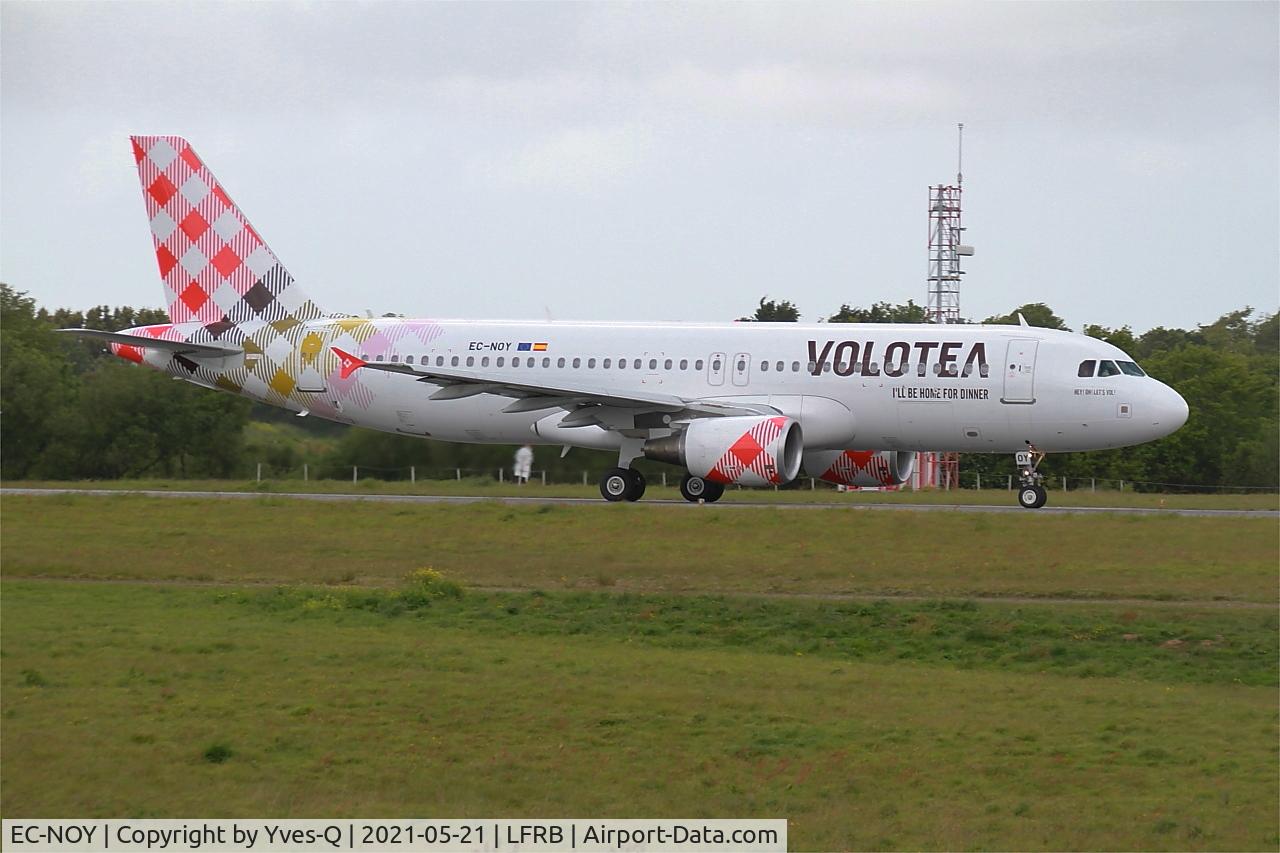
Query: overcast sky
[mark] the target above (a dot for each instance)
(661, 161)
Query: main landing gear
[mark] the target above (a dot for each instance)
(627, 484)
(622, 484)
(1031, 493)
(696, 489)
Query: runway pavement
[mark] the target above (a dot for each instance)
(729, 504)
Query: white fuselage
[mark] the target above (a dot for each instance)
(867, 386)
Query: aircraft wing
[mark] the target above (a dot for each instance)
(146, 342)
(536, 396)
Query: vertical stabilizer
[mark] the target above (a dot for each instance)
(216, 269)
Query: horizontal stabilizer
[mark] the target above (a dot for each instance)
(145, 342)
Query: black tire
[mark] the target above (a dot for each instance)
(638, 484)
(1032, 497)
(616, 484)
(694, 489)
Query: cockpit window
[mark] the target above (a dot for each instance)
(1086, 368)
(1108, 368)
(1131, 368)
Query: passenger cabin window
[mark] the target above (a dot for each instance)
(666, 365)
(591, 363)
(559, 362)
(408, 359)
(608, 362)
(764, 367)
(546, 362)
(795, 367)
(1131, 368)
(1086, 369)
(715, 365)
(501, 361)
(697, 365)
(454, 361)
(484, 361)
(396, 357)
(781, 366)
(653, 364)
(1108, 368)
(471, 361)
(378, 358)
(439, 361)
(684, 364)
(636, 364)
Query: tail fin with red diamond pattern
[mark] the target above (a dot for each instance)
(215, 267)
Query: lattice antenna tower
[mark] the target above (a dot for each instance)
(946, 245)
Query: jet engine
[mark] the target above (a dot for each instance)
(860, 467)
(750, 451)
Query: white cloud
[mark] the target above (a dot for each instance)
(583, 160)
(794, 92)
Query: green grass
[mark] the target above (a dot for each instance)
(171, 701)
(1162, 644)
(623, 548)
(625, 661)
(485, 487)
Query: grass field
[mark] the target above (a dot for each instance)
(484, 487)
(632, 661)
(644, 548)
(121, 699)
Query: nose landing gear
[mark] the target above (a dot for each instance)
(1031, 492)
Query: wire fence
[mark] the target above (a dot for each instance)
(585, 477)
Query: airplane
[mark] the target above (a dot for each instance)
(753, 404)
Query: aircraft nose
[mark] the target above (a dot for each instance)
(1171, 410)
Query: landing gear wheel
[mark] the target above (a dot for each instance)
(695, 489)
(637, 485)
(616, 483)
(622, 484)
(1032, 497)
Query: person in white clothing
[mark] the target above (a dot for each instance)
(524, 462)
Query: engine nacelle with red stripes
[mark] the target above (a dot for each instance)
(749, 451)
(861, 467)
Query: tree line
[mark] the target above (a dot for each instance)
(71, 411)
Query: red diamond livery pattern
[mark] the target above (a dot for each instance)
(223, 285)
(755, 451)
(215, 267)
(852, 463)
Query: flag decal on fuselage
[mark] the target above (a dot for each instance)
(528, 347)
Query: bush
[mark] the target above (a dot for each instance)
(429, 583)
